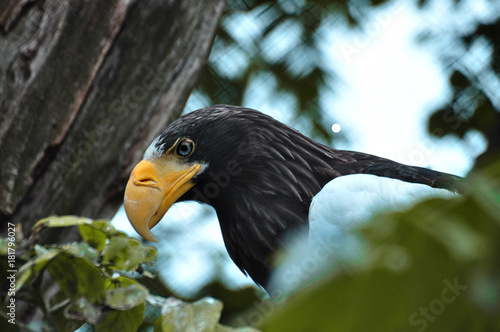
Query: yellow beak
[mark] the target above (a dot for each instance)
(151, 190)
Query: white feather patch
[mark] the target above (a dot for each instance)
(152, 151)
(342, 205)
(350, 201)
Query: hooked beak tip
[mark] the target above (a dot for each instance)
(147, 235)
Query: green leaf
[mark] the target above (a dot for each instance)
(118, 282)
(126, 253)
(54, 299)
(223, 328)
(124, 293)
(115, 253)
(64, 221)
(127, 297)
(202, 315)
(59, 322)
(93, 236)
(152, 312)
(30, 270)
(77, 277)
(4, 245)
(105, 226)
(81, 250)
(121, 320)
(83, 309)
(150, 254)
(39, 250)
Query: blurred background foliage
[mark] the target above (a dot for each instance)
(475, 102)
(294, 66)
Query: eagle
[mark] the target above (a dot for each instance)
(260, 176)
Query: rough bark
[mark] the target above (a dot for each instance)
(84, 87)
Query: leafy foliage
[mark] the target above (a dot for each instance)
(297, 69)
(202, 315)
(281, 50)
(433, 268)
(94, 282)
(475, 98)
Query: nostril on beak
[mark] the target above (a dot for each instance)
(149, 182)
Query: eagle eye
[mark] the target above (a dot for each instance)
(185, 147)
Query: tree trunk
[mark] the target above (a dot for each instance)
(84, 87)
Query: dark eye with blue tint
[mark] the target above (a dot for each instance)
(185, 147)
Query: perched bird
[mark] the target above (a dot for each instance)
(259, 175)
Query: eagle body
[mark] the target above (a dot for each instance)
(259, 175)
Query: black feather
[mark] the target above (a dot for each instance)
(262, 175)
